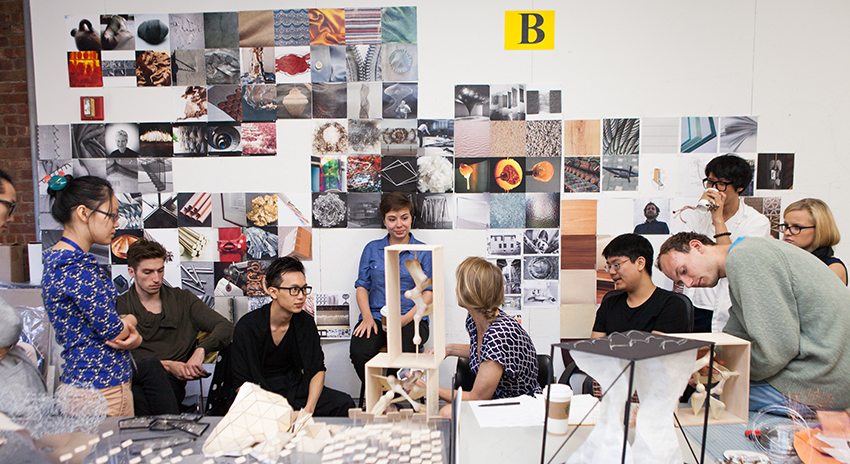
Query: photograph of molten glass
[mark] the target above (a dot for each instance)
(508, 174)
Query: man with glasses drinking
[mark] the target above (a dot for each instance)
(728, 219)
(278, 347)
(169, 320)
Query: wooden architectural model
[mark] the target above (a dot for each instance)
(394, 358)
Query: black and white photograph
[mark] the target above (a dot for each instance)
(399, 137)
(621, 136)
(122, 140)
(329, 210)
(540, 294)
(155, 175)
(433, 211)
(543, 101)
(159, 210)
(123, 174)
(472, 102)
(504, 243)
(436, 136)
(365, 100)
(88, 141)
(54, 142)
(364, 211)
(540, 268)
(400, 100)
(541, 241)
(512, 272)
(739, 134)
(507, 102)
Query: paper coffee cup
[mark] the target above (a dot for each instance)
(384, 318)
(560, 396)
(705, 203)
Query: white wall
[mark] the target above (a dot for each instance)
(787, 62)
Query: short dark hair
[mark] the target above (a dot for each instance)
(4, 176)
(732, 168)
(632, 246)
(395, 201)
(681, 242)
(144, 249)
(279, 267)
(657, 209)
(89, 191)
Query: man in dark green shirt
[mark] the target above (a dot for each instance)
(169, 320)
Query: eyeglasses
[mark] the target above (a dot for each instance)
(114, 217)
(793, 229)
(716, 184)
(11, 205)
(294, 291)
(615, 266)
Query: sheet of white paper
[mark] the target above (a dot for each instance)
(528, 413)
(579, 406)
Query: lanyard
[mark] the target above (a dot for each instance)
(737, 240)
(69, 242)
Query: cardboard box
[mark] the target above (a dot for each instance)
(735, 354)
(13, 263)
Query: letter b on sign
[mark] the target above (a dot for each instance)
(529, 30)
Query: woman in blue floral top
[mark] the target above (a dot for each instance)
(500, 351)
(79, 295)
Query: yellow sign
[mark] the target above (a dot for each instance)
(530, 30)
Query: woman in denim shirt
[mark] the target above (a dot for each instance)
(369, 337)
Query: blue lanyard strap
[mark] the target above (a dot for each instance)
(737, 240)
(69, 242)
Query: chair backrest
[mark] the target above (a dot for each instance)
(689, 307)
(545, 371)
(465, 379)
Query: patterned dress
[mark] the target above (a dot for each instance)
(507, 343)
(80, 299)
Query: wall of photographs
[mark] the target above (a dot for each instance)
(238, 132)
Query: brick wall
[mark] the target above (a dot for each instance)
(15, 155)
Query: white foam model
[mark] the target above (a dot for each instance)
(659, 382)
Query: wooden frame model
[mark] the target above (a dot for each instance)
(735, 353)
(394, 358)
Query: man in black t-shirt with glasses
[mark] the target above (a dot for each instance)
(636, 303)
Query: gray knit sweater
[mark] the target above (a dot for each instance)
(796, 313)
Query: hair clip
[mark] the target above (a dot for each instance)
(57, 183)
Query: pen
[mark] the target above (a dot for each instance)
(511, 403)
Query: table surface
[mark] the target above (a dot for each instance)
(523, 444)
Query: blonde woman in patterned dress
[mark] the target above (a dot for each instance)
(501, 353)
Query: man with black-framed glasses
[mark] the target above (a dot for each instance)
(728, 219)
(278, 347)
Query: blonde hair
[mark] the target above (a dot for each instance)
(480, 286)
(826, 232)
